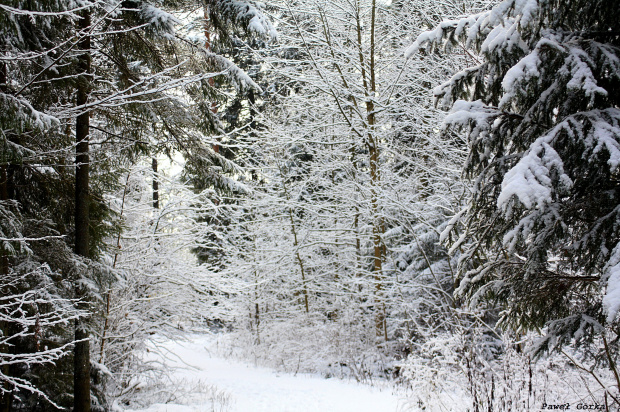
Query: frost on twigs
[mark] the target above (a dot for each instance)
(31, 315)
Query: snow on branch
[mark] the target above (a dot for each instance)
(244, 14)
(30, 239)
(611, 300)
(499, 26)
(579, 64)
(22, 114)
(30, 314)
(240, 78)
(530, 180)
(71, 12)
(464, 112)
(161, 20)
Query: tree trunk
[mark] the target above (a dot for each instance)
(378, 223)
(208, 28)
(81, 353)
(155, 185)
(378, 226)
(300, 261)
(7, 397)
(252, 102)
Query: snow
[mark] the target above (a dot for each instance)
(240, 78)
(464, 111)
(530, 179)
(451, 223)
(261, 26)
(582, 76)
(523, 71)
(26, 113)
(160, 19)
(611, 301)
(506, 37)
(606, 136)
(258, 22)
(528, 9)
(431, 36)
(242, 387)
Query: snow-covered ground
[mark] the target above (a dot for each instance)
(209, 382)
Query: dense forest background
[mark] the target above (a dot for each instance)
(421, 192)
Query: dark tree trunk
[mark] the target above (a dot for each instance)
(155, 185)
(7, 398)
(81, 374)
(208, 27)
(252, 101)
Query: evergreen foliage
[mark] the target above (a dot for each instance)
(139, 93)
(167, 164)
(542, 116)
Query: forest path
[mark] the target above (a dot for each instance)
(207, 382)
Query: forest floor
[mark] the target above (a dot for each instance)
(202, 380)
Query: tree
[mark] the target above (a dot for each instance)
(81, 353)
(85, 80)
(159, 287)
(33, 311)
(342, 55)
(309, 257)
(542, 121)
(31, 139)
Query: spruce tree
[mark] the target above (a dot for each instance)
(34, 182)
(540, 109)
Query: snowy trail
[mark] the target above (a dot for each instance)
(245, 388)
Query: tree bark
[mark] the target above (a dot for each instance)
(81, 353)
(300, 261)
(7, 397)
(155, 185)
(208, 28)
(378, 226)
